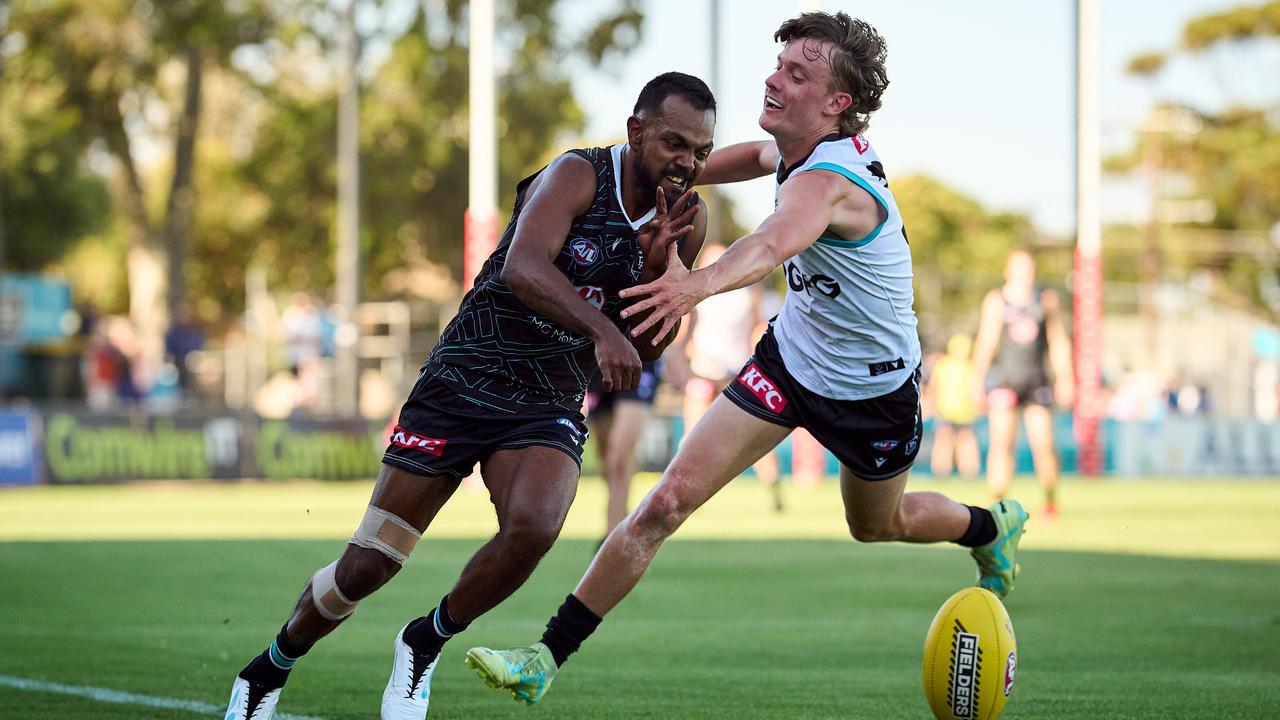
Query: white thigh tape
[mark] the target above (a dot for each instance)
(328, 599)
(386, 533)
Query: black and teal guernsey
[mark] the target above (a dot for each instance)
(500, 353)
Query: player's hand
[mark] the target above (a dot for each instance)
(670, 297)
(619, 362)
(666, 228)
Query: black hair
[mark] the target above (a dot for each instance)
(691, 89)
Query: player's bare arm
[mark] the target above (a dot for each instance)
(687, 230)
(808, 204)
(743, 161)
(987, 341)
(561, 193)
(1059, 349)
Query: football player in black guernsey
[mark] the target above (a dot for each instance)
(504, 387)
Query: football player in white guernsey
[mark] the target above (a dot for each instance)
(841, 359)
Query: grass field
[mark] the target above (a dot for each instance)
(1152, 599)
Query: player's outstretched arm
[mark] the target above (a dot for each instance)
(987, 341)
(806, 206)
(564, 191)
(743, 161)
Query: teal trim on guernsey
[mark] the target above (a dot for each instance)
(838, 242)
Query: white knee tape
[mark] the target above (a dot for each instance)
(328, 599)
(388, 534)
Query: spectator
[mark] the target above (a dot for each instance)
(184, 337)
(950, 392)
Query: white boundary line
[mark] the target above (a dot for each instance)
(126, 698)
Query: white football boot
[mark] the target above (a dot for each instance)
(250, 701)
(408, 690)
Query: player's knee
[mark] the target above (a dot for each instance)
(1042, 449)
(362, 570)
(529, 537)
(875, 531)
(661, 514)
(380, 545)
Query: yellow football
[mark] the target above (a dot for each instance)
(970, 656)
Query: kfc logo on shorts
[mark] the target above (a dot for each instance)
(860, 144)
(585, 252)
(593, 294)
(763, 387)
(406, 439)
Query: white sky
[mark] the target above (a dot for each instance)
(981, 93)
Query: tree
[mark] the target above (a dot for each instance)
(959, 249)
(115, 63)
(1231, 159)
(413, 141)
(48, 197)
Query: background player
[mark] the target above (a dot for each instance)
(842, 358)
(949, 392)
(718, 337)
(617, 419)
(504, 387)
(1019, 332)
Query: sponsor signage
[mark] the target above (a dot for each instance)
(1194, 446)
(413, 441)
(320, 449)
(964, 672)
(593, 294)
(763, 388)
(87, 447)
(19, 461)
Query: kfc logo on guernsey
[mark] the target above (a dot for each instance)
(763, 387)
(406, 439)
(593, 294)
(585, 252)
(860, 144)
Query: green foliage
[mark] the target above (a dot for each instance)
(413, 143)
(1146, 64)
(958, 249)
(95, 79)
(1233, 160)
(1240, 23)
(48, 199)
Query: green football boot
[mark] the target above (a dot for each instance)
(998, 559)
(526, 672)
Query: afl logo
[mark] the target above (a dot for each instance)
(585, 252)
(860, 144)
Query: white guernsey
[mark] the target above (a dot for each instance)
(847, 329)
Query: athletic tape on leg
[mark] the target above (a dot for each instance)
(388, 534)
(328, 599)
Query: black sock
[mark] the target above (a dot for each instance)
(272, 667)
(428, 634)
(573, 623)
(982, 528)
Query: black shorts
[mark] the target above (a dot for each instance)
(1035, 391)
(876, 439)
(599, 401)
(442, 432)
